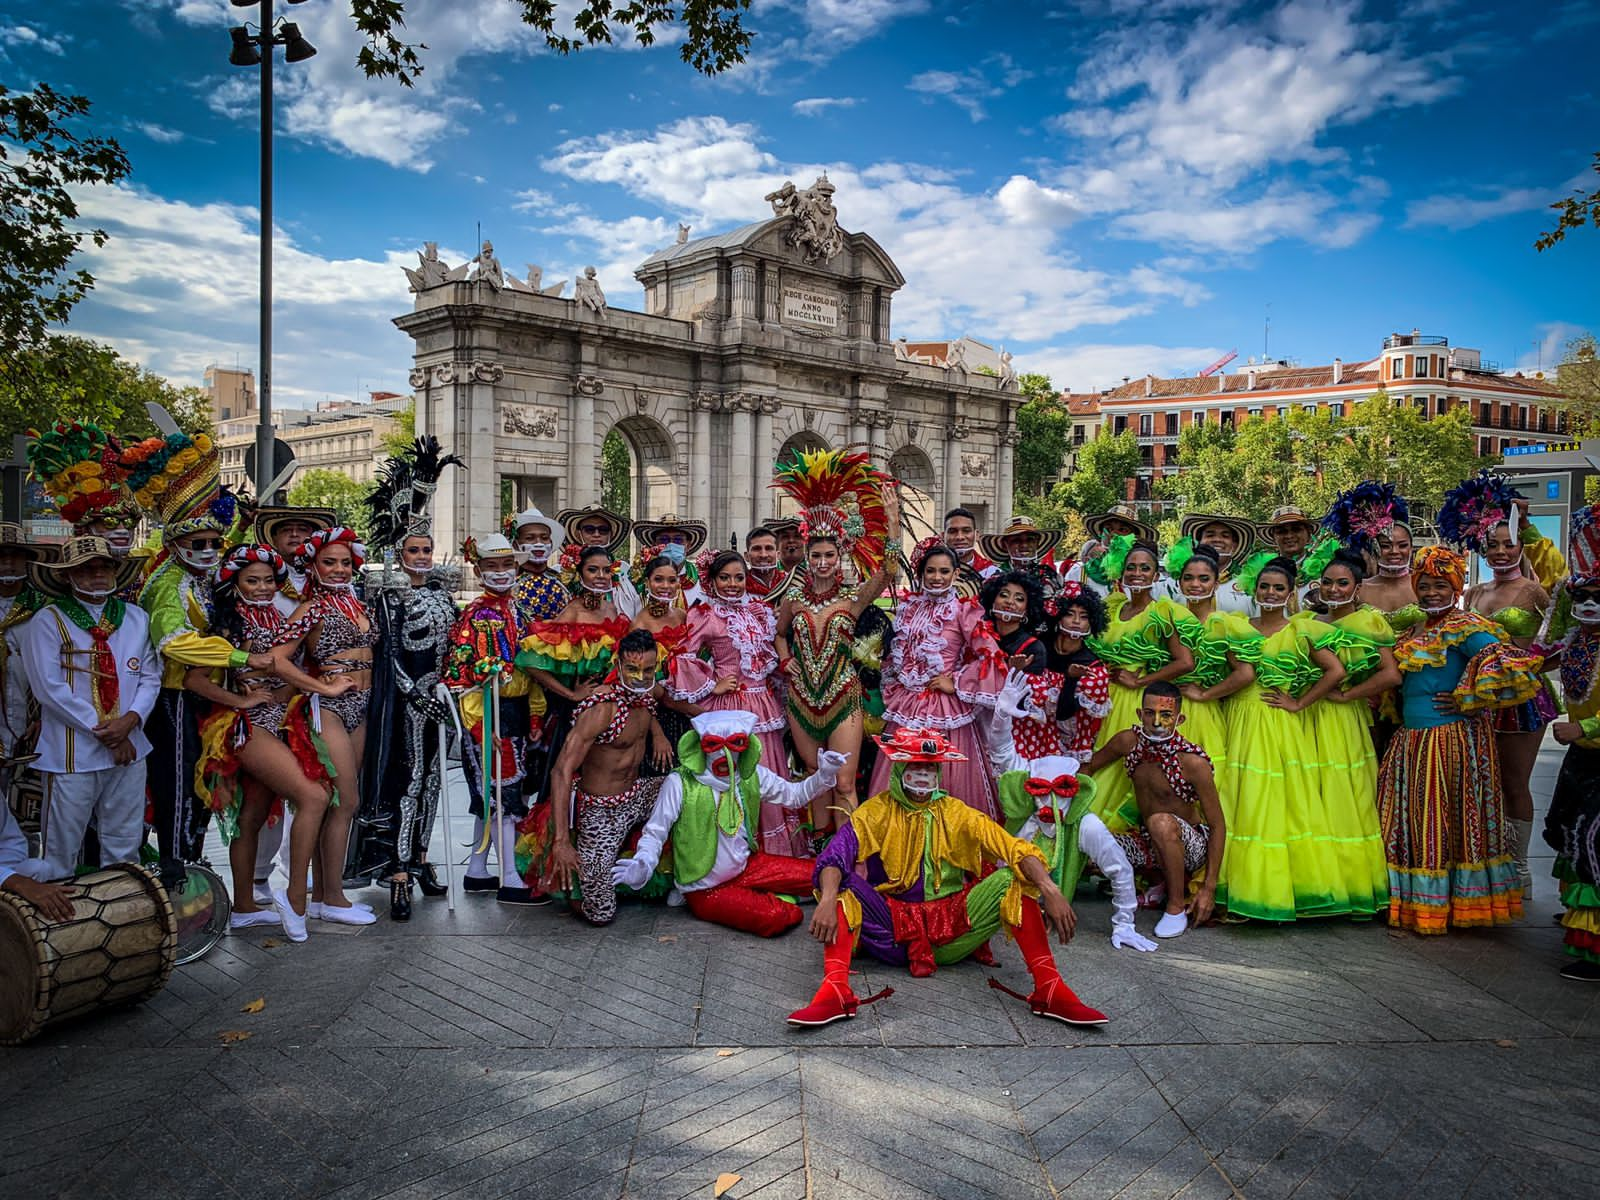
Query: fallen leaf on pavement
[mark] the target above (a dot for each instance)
(269, 943)
(255, 1005)
(726, 1053)
(1506, 1044)
(671, 937)
(725, 1181)
(230, 1036)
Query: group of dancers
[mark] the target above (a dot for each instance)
(937, 740)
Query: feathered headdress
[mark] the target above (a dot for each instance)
(1364, 512)
(1178, 557)
(1106, 569)
(840, 495)
(80, 466)
(1252, 568)
(1316, 561)
(1474, 507)
(397, 505)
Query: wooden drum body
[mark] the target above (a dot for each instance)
(119, 948)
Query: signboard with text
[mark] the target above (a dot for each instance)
(810, 308)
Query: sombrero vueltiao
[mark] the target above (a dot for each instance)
(14, 538)
(270, 518)
(50, 577)
(570, 518)
(992, 546)
(1288, 514)
(649, 533)
(1244, 532)
(1121, 511)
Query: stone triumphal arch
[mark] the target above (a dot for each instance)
(774, 335)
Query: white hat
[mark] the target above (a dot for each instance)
(532, 516)
(1053, 767)
(724, 722)
(495, 545)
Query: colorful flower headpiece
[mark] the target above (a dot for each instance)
(241, 557)
(920, 552)
(840, 495)
(1365, 512)
(180, 478)
(1442, 563)
(636, 569)
(339, 535)
(571, 553)
(1250, 572)
(79, 465)
(1473, 508)
(1316, 562)
(1178, 557)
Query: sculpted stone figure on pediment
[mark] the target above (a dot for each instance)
(813, 220)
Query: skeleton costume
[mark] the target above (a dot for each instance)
(400, 772)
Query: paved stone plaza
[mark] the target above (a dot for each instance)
(509, 1052)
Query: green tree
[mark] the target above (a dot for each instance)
(73, 377)
(1576, 211)
(616, 474)
(1100, 475)
(42, 161)
(319, 488)
(1051, 512)
(714, 36)
(1423, 457)
(1046, 431)
(1578, 380)
(400, 439)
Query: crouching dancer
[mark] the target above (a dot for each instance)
(709, 806)
(910, 876)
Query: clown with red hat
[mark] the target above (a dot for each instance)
(909, 877)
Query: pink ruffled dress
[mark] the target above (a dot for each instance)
(725, 639)
(944, 636)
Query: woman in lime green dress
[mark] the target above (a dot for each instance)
(1281, 862)
(1343, 724)
(1216, 675)
(1142, 643)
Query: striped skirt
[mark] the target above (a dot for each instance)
(1444, 829)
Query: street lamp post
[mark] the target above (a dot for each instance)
(255, 50)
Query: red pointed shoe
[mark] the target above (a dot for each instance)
(1060, 1003)
(831, 1003)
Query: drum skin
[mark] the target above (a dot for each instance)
(119, 948)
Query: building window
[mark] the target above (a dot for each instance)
(1147, 456)
(1255, 412)
(1421, 403)
(1198, 417)
(1422, 366)
(1172, 424)
(1144, 424)
(1544, 420)
(1225, 418)
(1483, 447)
(1119, 424)
(1336, 409)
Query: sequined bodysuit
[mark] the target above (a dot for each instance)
(824, 688)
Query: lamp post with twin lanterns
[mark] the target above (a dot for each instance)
(256, 50)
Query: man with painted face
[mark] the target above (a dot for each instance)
(906, 877)
(596, 526)
(1044, 800)
(1181, 826)
(484, 641)
(539, 594)
(595, 785)
(91, 666)
(709, 807)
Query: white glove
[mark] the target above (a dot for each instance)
(1016, 698)
(830, 763)
(1126, 937)
(630, 872)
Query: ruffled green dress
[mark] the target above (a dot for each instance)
(1282, 860)
(1349, 767)
(1140, 645)
(1205, 722)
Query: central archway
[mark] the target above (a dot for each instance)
(804, 440)
(645, 485)
(910, 465)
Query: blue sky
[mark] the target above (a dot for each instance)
(1106, 187)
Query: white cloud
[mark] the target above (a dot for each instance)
(1093, 367)
(26, 37)
(1029, 203)
(965, 89)
(1549, 346)
(817, 105)
(175, 287)
(1455, 211)
(159, 133)
(838, 24)
(1306, 214)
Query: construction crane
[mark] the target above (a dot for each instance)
(1218, 365)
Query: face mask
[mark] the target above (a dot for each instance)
(674, 553)
(92, 597)
(663, 597)
(120, 541)
(1007, 614)
(1138, 587)
(1587, 612)
(347, 588)
(1023, 556)
(1160, 735)
(1514, 571)
(597, 589)
(499, 581)
(200, 560)
(267, 603)
(536, 551)
(13, 578)
(1271, 605)
(638, 687)
(919, 779)
(1206, 595)
(417, 568)
(937, 593)
(1394, 572)
(1434, 610)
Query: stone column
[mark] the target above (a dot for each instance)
(701, 406)
(761, 456)
(450, 502)
(476, 385)
(746, 298)
(741, 464)
(583, 485)
(1002, 475)
(773, 297)
(955, 433)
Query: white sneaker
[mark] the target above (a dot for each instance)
(353, 914)
(294, 924)
(1172, 924)
(249, 920)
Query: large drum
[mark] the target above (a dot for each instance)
(119, 948)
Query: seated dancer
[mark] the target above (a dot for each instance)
(258, 743)
(93, 670)
(707, 807)
(1032, 794)
(483, 646)
(765, 577)
(906, 875)
(1181, 828)
(595, 784)
(593, 527)
(1572, 826)
(539, 594)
